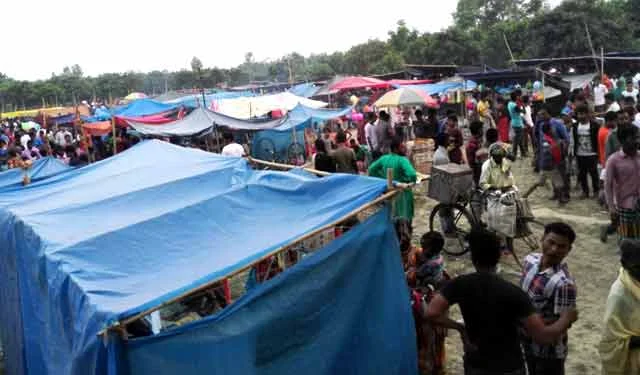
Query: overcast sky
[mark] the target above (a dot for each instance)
(43, 36)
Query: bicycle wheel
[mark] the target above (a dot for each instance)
(265, 150)
(455, 222)
(529, 237)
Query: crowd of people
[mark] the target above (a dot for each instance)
(591, 144)
(506, 328)
(20, 148)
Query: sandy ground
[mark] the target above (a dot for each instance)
(594, 266)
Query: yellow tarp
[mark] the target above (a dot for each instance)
(54, 111)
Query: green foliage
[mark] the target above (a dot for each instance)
(477, 37)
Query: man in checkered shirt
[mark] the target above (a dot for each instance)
(552, 290)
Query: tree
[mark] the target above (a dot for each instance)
(401, 38)
(196, 64)
(486, 13)
(477, 37)
(361, 58)
(320, 70)
(76, 70)
(248, 58)
(391, 62)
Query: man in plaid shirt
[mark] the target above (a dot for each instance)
(552, 290)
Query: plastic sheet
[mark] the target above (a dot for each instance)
(83, 248)
(344, 310)
(41, 169)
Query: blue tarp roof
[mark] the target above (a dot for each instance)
(41, 169)
(442, 87)
(64, 119)
(143, 107)
(275, 142)
(201, 121)
(96, 244)
(317, 316)
(301, 116)
(193, 99)
(305, 90)
(100, 114)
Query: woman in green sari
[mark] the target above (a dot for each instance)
(403, 172)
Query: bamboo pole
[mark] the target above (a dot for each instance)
(286, 166)
(113, 129)
(119, 325)
(601, 63)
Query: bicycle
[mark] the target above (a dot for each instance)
(266, 150)
(460, 216)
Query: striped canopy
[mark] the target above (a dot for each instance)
(406, 96)
(135, 95)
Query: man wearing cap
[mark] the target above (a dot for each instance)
(620, 343)
(496, 171)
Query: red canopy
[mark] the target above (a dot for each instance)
(401, 82)
(157, 119)
(97, 128)
(350, 83)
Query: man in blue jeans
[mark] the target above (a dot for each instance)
(516, 110)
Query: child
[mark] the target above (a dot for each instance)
(425, 274)
(430, 267)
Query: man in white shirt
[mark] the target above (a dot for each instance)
(61, 136)
(24, 140)
(370, 131)
(631, 92)
(610, 103)
(232, 148)
(527, 116)
(599, 91)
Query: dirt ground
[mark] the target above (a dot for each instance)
(594, 266)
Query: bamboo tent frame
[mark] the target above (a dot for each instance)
(392, 190)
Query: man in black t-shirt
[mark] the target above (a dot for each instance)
(493, 311)
(424, 129)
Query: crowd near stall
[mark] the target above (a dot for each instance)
(240, 232)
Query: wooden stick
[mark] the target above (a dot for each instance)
(389, 178)
(295, 242)
(113, 129)
(395, 185)
(286, 166)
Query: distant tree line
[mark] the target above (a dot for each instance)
(477, 37)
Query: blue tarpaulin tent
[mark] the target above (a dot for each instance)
(100, 114)
(143, 107)
(441, 88)
(64, 119)
(299, 118)
(305, 90)
(41, 169)
(194, 100)
(200, 121)
(85, 248)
